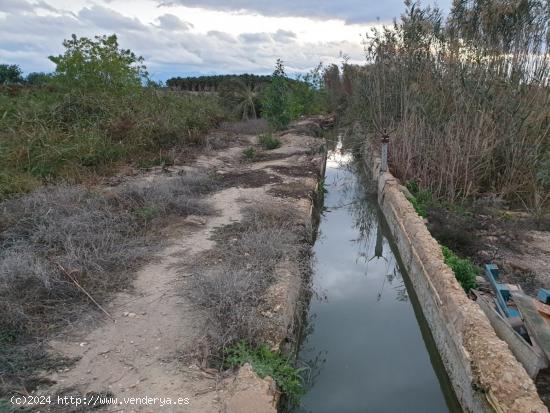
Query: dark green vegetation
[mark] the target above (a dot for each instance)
(285, 100)
(268, 363)
(277, 98)
(465, 271)
(99, 111)
(420, 198)
(91, 117)
(212, 83)
(249, 153)
(268, 141)
(242, 99)
(10, 74)
(466, 101)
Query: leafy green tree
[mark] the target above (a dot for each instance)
(276, 104)
(10, 74)
(308, 93)
(98, 63)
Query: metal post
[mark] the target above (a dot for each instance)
(384, 160)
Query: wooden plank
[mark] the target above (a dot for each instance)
(530, 356)
(543, 309)
(537, 327)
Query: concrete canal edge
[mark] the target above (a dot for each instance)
(485, 375)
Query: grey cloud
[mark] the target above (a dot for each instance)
(109, 19)
(224, 37)
(174, 23)
(255, 37)
(351, 11)
(10, 6)
(284, 36)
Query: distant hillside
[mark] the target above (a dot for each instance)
(211, 83)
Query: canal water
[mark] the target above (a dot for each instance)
(366, 348)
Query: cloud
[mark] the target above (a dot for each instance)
(351, 11)
(105, 18)
(10, 6)
(255, 37)
(224, 37)
(284, 36)
(170, 48)
(173, 23)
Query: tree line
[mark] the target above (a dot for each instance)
(212, 83)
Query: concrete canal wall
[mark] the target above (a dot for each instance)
(485, 375)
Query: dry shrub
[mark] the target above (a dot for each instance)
(229, 284)
(466, 102)
(97, 238)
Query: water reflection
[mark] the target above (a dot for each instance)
(363, 348)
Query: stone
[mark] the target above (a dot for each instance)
(251, 394)
(195, 220)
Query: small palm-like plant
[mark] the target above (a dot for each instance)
(240, 96)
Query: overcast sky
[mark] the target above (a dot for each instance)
(182, 37)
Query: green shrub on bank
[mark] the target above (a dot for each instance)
(465, 272)
(268, 363)
(249, 153)
(268, 141)
(420, 198)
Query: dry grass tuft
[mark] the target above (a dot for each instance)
(230, 284)
(97, 238)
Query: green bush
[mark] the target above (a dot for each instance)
(268, 363)
(465, 271)
(420, 198)
(268, 141)
(249, 153)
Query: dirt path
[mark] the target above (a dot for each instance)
(137, 353)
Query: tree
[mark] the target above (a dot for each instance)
(276, 103)
(10, 74)
(98, 63)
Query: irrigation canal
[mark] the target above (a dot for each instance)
(366, 346)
